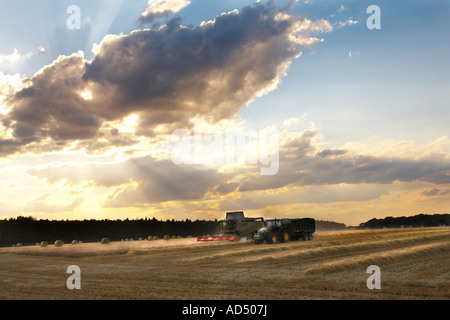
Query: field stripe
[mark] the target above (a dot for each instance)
(329, 250)
(378, 258)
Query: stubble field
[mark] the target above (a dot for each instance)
(414, 263)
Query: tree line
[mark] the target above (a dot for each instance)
(420, 220)
(28, 230)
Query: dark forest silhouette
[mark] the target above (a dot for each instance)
(420, 220)
(28, 230)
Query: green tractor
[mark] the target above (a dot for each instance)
(285, 230)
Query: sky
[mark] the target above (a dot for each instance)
(97, 97)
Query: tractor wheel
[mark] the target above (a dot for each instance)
(258, 241)
(285, 237)
(310, 236)
(272, 238)
(305, 237)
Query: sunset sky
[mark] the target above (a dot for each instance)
(87, 114)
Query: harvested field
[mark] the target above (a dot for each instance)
(414, 263)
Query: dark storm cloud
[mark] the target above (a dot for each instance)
(432, 192)
(328, 153)
(435, 192)
(162, 181)
(167, 76)
(52, 106)
(174, 73)
(227, 187)
(12, 146)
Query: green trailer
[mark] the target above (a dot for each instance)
(285, 230)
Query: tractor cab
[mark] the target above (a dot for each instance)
(274, 223)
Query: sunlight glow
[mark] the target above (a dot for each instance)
(129, 124)
(86, 95)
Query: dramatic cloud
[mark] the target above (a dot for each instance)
(301, 165)
(165, 76)
(52, 105)
(139, 181)
(162, 8)
(306, 173)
